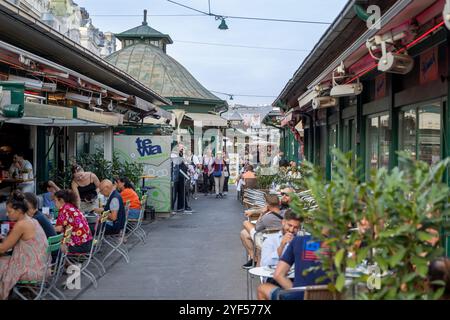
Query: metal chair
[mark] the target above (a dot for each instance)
(264, 234)
(134, 226)
(116, 241)
(84, 259)
(52, 272)
(97, 242)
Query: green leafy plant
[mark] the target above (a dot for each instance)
(103, 169)
(391, 221)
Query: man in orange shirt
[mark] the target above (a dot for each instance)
(249, 174)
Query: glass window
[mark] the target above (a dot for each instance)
(420, 132)
(429, 134)
(90, 142)
(384, 141)
(323, 147)
(377, 143)
(332, 144)
(372, 145)
(407, 127)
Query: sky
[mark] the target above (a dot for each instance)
(232, 70)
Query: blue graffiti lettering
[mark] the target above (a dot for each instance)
(145, 147)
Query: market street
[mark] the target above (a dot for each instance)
(196, 256)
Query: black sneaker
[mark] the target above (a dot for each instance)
(188, 210)
(221, 195)
(217, 196)
(248, 265)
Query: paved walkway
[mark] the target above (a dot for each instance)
(196, 256)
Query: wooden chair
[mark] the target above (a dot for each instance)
(316, 292)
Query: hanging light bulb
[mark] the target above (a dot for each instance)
(223, 25)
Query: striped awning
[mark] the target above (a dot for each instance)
(207, 120)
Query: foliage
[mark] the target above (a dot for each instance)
(397, 214)
(289, 176)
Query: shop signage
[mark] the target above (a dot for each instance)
(380, 86)
(154, 153)
(429, 66)
(145, 147)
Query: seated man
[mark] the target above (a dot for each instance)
(303, 252)
(286, 199)
(270, 220)
(51, 189)
(116, 219)
(275, 244)
(256, 212)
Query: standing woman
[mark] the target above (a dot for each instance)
(29, 258)
(226, 172)
(85, 186)
(217, 172)
(70, 215)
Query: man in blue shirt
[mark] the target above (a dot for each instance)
(303, 251)
(33, 212)
(51, 189)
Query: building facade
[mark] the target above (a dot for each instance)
(403, 103)
(71, 20)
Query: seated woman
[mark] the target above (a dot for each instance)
(127, 192)
(70, 215)
(29, 258)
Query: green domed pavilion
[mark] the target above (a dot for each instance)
(143, 56)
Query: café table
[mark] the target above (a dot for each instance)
(14, 182)
(263, 272)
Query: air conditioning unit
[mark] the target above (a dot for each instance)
(324, 102)
(31, 84)
(446, 14)
(78, 98)
(347, 90)
(49, 87)
(396, 63)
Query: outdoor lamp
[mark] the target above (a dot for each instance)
(223, 25)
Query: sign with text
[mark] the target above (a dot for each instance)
(154, 153)
(429, 66)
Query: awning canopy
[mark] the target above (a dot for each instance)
(109, 119)
(48, 122)
(37, 110)
(207, 120)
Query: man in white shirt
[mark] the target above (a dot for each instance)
(20, 166)
(276, 160)
(274, 246)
